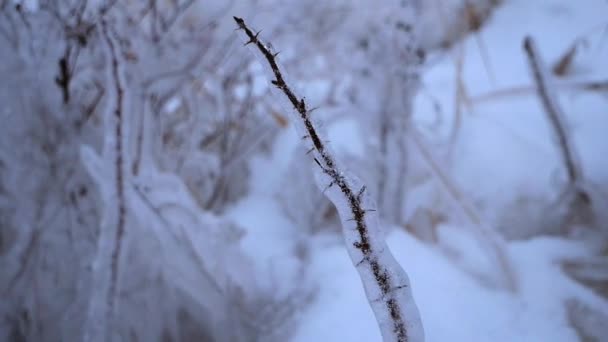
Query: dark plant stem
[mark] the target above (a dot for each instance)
(118, 171)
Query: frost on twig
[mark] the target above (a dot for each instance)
(386, 284)
(552, 108)
(577, 199)
(107, 261)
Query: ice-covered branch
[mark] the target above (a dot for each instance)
(579, 202)
(386, 284)
(552, 108)
(118, 165)
(111, 236)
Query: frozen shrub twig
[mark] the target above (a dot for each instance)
(386, 284)
(118, 164)
(552, 108)
(112, 233)
(579, 200)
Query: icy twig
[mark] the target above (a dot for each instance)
(595, 86)
(386, 284)
(104, 294)
(580, 206)
(552, 108)
(118, 164)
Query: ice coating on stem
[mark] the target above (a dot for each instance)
(386, 284)
(554, 111)
(106, 265)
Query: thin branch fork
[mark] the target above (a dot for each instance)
(328, 165)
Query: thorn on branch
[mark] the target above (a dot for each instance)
(359, 214)
(382, 298)
(253, 39)
(312, 110)
(332, 183)
(364, 259)
(363, 246)
(302, 106)
(361, 191)
(325, 170)
(277, 84)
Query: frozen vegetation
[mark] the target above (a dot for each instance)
(400, 171)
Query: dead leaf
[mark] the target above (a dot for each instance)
(280, 119)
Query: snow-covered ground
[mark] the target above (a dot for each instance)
(504, 144)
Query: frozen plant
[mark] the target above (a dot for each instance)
(95, 96)
(386, 284)
(576, 199)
